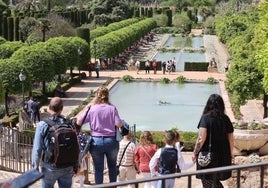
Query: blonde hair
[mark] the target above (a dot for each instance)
(102, 95)
(146, 138)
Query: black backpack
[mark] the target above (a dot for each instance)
(168, 161)
(62, 144)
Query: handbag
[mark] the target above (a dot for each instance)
(205, 157)
(117, 167)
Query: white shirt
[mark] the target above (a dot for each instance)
(180, 162)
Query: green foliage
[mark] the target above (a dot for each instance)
(10, 70)
(27, 26)
(182, 21)
(50, 87)
(117, 41)
(127, 78)
(2, 40)
(109, 11)
(164, 80)
(8, 48)
(181, 79)
(174, 30)
(2, 111)
(161, 20)
(37, 62)
(211, 80)
(51, 26)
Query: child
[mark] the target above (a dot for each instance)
(143, 154)
(125, 160)
(168, 160)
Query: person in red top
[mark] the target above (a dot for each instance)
(155, 66)
(143, 154)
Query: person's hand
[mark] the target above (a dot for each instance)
(194, 157)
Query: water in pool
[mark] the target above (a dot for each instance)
(157, 107)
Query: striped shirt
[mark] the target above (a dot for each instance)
(128, 158)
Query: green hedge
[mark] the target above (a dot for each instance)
(190, 66)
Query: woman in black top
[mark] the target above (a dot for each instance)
(215, 123)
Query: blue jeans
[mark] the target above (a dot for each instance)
(104, 146)
(62, 175)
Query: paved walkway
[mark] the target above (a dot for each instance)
(78, 93)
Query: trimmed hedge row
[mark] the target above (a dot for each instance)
(190, 66)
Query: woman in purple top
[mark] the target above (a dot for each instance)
(103, 119)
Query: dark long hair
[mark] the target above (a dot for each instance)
(215, 105)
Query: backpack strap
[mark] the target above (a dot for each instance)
(50, 121)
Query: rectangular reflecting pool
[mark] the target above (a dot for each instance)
(155, 106)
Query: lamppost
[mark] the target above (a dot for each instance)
(22, 78)
(95, 49)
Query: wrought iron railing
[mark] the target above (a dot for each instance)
(262, 168)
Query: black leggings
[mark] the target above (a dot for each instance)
(209, 184)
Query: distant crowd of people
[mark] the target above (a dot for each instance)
(166, 66)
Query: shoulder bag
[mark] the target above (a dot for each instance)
(205, 157)
(117, 167)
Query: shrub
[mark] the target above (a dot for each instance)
(211, 80)
(127, 78)
(164, 80)
(180, 79)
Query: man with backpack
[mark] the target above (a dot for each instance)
(56, 145)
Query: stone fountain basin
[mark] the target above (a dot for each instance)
(250, 139)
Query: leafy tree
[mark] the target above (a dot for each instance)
(51, 26)
(182, 21)
(8, 48)
(82, 48)
(58, 58)
(27, 6)
(181, 5)
(242, 35)
(37, 62)
(27, 25)
(70, 51)
(161, 20)
(105, 12)
(9, 74)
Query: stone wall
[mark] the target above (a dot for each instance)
(249, 178)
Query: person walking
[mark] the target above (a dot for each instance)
(35, 111)
(155, 66)
(215, 135)
(90, 68)
(143, 154)
(51, 172)
(164, 67)
(168, 160)
(97, 69)
(125, 157)
(137, 65)
(147, 67)
(29, 107)
(104, 119)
